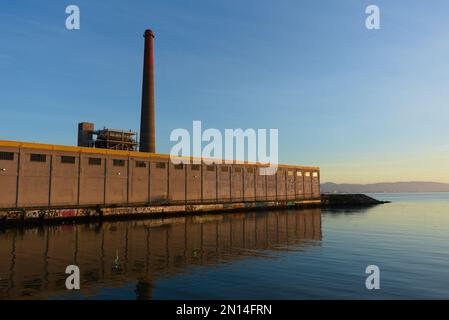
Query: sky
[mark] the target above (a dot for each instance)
(364, 105)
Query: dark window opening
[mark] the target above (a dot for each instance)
(95, 161)
(195, 167)
(6, 155)
(38, 157)
(118, 163)
(212, 168)
(160, 165)
(141, 164)
(179, 166)
(224, 169)
(67, 159)
(238, 169)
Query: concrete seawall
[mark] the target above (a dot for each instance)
(35, 216)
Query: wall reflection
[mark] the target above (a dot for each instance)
(33, 261)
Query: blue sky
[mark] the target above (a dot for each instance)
(364, 105)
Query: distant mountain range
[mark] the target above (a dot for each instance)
(412, 186)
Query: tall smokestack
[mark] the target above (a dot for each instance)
(147, 132)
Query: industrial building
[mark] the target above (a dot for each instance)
(37, 175)
(108, 171)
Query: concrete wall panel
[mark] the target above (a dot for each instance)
(177, 176)
(34, 180)
(315, 184)
(194, 172)
(261, 186)
(271, 186)
(291, 184)
(8, 177)
(139, 175)
(116, 180)
(281, 184)
(307, 184)
(299, 184)
(159, 181)
(237, 183)
(64, 179)
(92, 179)
(249, 190)
(224, 183)
(210, 183)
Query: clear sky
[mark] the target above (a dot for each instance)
(364, 105)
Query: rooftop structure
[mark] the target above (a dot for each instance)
(106, 138)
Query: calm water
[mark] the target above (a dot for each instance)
(298, 254)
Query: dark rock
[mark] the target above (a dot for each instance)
(348, 200)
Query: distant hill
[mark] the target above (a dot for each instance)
(412, 186)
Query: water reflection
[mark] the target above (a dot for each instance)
(110, 255)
